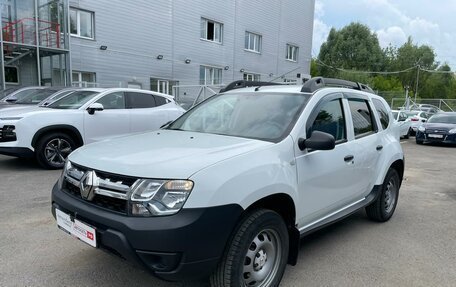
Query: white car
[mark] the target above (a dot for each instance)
(50, 133)
(228, 189)
(417, 118)
(403, 122)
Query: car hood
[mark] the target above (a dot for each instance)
(22, 111)
(439, 126)
(162, 154)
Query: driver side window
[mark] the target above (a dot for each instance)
(113, 101)
(331, 120)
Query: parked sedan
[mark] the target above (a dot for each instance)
(403, 122)
(440, 128)
(13, 94)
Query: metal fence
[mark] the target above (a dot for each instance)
(447, 105)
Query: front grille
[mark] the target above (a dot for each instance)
(111, 193)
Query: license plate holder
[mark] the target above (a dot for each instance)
(76, 228)
(434, 136)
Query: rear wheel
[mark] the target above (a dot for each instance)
(419, 141)
(407, 136)
(257, 253)
(383, 207)
(52, 150)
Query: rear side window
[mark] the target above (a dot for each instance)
(140, 100)
(330, 119)
(382, 113)
(362, 117)
(159, 101)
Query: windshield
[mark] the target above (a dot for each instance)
(7, 91)
(22, 94)
(443, 119)
(254, 115)
(36, 97)
(411, 114)
(55, 97)
(73, 101)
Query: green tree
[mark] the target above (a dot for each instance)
(411, 55)
(354, 47)
(439, 85)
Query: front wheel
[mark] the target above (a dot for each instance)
(52, 150)
(383, 207)
(256, 254)
(407, 136)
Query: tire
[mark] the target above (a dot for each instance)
(419, 142)
(52, 149)
(407, 136)
(260, 236)
(384, 206)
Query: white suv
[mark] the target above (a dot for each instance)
(50, 133)
(229, 188)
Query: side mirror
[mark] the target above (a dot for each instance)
(317, 141)
(94, 107)
(11, 99)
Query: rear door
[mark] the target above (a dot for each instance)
(113, 121)
(146, 110)
(367, 143)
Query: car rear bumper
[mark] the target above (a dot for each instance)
(184, 246)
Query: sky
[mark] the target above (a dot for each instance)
(429, 22)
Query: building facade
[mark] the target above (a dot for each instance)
(155, 44)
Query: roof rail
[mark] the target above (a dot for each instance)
(319, 82)
(243, 84)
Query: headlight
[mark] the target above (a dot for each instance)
(453, 131)
(159, 197)
(66, 167)
(421, 129)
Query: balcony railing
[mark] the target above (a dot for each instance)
(23, 31)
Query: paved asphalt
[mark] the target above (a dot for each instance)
(417, 247)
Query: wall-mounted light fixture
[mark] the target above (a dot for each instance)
(103, 47)
(241, 70)
(187, 61)
(226, 68)
(160, 57)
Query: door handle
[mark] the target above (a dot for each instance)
(348, 158)
(379, 147)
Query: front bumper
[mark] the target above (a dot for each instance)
(446, 139)
(184, 246)
(17, 151)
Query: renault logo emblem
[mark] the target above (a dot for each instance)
(88, 184)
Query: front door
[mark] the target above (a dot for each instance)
(113, 121)
(326, 179)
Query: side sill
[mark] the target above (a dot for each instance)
(341, 213)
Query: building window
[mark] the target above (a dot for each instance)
(83, 79)
(11, 75)
(252, 42)
(210, 75)
(211, 30)
(163, 86)
(292, 53)
(251, 77)
(81, 23)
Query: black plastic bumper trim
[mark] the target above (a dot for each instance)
(17, 151)
(184, 246)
